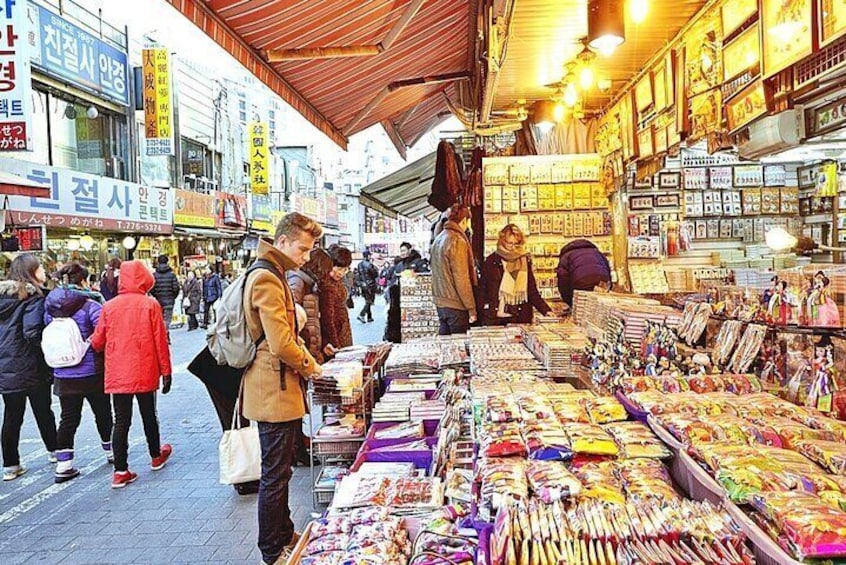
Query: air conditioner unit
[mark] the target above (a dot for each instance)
(772, 134)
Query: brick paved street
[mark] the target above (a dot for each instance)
(180, 514)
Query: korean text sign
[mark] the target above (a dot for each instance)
(81, 200)
(65, 50)
(158, 110)
(15, 81)
(258, 150)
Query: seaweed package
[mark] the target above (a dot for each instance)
(604, 409)
(590, 439)
(551, 481)
(634, 439)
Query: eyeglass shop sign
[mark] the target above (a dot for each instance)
(66, 51)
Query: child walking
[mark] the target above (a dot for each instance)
(132, 333)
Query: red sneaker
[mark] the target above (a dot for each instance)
(123, 478)
(164, 455)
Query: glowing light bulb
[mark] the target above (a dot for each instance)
(558, 112)
(73, 244)
(586, 77)
(638, 10)
(571, 95)
(86, 242)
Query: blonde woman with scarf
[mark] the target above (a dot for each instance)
(509, 288)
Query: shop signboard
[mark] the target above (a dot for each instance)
(259, 149)
(261, 213)
(31, 238)
(15, 81)
(193, 209)
(331, 209)
(307, 206)
(68, 52)
(85, 201)
(158, 109)
(230, 210)
(828, 118)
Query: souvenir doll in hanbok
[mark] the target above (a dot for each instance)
(824, 385)
(769, 292)
(823, 309)
(780, 309)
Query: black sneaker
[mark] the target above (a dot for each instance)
(64, 476)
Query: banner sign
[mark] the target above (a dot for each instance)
(261, 212)
(230, 210)
(158, 110)
(82, 200)
(15, 80)
(193, 209)
(64, 50)
(259, 151)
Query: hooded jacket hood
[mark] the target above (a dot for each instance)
(162, 268)
(9, 297)
(578, 244)
(64, 302)
(135, 278)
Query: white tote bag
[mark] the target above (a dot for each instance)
(240, 452)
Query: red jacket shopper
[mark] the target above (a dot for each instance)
(132, 332)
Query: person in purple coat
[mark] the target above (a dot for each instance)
(73, 299)
(581, 266)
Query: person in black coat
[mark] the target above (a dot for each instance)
(409, 259)
(212, 291)
(23, 372)
(365, 279)
(192, 295)
(581, 266)
(166, 288)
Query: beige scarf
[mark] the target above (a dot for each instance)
(514, 288)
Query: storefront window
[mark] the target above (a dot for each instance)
(79, 142)
(40, 133)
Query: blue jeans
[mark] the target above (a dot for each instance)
(278, 446)
(453, 321)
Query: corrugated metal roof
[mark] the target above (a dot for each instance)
(343, 96)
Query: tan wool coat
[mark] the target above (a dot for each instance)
(274, 385)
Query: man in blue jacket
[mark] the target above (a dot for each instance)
(212, 291)
(581, 266)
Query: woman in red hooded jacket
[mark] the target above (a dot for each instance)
(132, 332)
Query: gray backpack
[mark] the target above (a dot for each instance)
(228, 337)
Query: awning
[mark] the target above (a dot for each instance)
(348, 64)
(405, 191)
(16, 185)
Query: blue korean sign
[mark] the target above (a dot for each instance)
(66, 51)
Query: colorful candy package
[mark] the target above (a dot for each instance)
(605, 409)
(811, 528)
(635, 439)
(551, 480)
(590, 439)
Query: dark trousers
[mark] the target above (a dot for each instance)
(209, 312)
(167, 314)
(393, 329)
(369, 296)
(123, 421)
(100, 404)
(14, 406)
(193, 324)
(276, 529)
(453, 321)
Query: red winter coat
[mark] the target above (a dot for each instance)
(131, 330)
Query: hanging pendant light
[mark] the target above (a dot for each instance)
(638, 10)
(571, 95)
(606, 25)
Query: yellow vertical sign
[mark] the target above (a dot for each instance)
(158, 109)
(259, 149)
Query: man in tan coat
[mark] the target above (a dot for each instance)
(454, 273)
(274, 391)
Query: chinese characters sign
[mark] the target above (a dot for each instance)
(65, 50)
(15, 82)
(194, 209)
(259, 158)
(81, 200)
(158, 112)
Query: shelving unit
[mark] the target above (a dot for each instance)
(340, 449)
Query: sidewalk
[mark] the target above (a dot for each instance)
(180, 514)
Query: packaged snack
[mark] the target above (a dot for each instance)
(600, 482)
(590, 439)
(533, 409)
(331, 542)
(501, 440)
(325, 558)
(501, 482)
(646, 480)
(811, 528)
(637, 384)
(569, 409)
(741, 384)
(367, 516)
(502, 408)
(635, 439)
(406, 430)
(331, 525)
(546, 440)
(654, 401)
(706, 383)
(604, 409)
(551, 480)
(829, 454)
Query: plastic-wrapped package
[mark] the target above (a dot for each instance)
(501, 440)
(502, 408)
(551, 481)
(741, 384)
(534, 408)
(502, 480)
(546, 440)
(653, 401)
(330, 525)
(605, 409)
(629, 385)
(405, 430)
(367, 515)
(811, 528)
(646, 480)
(432, 548)
(829, 454)
(569, 409)
(706, 383)
(791, 431)
(331, 542)
(600, 482)
(634, 439)
(590, 439)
